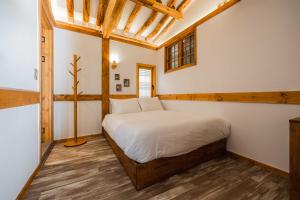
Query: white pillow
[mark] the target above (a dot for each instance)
(122, 106)
(148, 104)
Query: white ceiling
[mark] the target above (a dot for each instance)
(196, 10)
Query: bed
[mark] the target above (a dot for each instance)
(154, 145)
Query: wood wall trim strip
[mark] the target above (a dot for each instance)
(84, 97)
(10, 98)
(199, 22)
(122, 96)
(257, 163)
(90, 97)
(280, 97)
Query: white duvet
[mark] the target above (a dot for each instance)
(145, 136)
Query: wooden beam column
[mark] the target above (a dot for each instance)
(105, 77)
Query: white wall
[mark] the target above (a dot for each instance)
(128, 56)
(19, 135)
(253, 46)
(67, 43)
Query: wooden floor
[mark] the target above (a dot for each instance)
(92, 171)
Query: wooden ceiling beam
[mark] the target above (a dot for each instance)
(78, 29)
(97, 33)
(181, 7)
(70, 9)
(132, 16)
(112, 16)
(171, 3)
(161, 23)
(146, 24)
(100, 12)
(132, 41)
(86, 11)
(159, 7)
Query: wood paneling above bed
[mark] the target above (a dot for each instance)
(10, 98)
(84, 97)
(280, 97)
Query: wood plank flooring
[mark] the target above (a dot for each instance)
(92, 171)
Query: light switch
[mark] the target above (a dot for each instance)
(36, 75)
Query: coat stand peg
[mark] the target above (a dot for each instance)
(71, 73)
(75, 141)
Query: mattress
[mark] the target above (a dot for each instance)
(145, 136)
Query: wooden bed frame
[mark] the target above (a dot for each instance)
(146, 174)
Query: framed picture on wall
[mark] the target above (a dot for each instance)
(118, 87)
(126, 82)
(117, 77)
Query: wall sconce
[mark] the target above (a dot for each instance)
(114, 64)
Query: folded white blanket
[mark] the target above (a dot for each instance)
(145, 136)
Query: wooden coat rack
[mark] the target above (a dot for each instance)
(75, 141)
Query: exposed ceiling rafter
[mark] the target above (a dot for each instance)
(132, 16)
(86, 11)
(70, 9)
(159, 7)
(100, 12)
(146, 24)
(112, 16)
(181, 7)
(161, 23)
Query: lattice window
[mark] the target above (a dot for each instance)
(181, 53)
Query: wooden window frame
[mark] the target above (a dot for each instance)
(153, 77)
(179, 41)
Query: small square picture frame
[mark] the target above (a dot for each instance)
(126, 82)
(119, 87)
(117, 77)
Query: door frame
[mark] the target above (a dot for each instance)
(46, 27)
(153, 77)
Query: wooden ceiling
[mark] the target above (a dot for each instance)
(144, 21)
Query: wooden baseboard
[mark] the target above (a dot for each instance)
(262, 165)
(87, 137)
(27, 185)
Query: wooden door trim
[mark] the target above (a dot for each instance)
(46, 47)
(153, 74)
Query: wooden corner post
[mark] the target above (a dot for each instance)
(105, 77)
